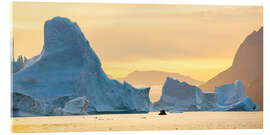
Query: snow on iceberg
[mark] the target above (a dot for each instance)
(180, 96)
(69, 67)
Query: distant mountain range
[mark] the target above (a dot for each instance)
(247, 66)
(149, 78)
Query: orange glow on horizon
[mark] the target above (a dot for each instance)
(197, 41)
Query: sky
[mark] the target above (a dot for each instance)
(193, 40)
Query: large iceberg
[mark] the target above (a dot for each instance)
(68, 68)
(180, 96)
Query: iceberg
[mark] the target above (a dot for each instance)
(68, 68)
(180, 96)
(77, 106)
(25, 105)
(208, 101)
(18, 64)
(230, 93)
(232, 97)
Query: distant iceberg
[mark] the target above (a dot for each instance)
(66, 69)
(232, 97)
(180, 96)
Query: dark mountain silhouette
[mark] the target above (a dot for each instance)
(247, 66)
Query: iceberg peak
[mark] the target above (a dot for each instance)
(60, 34)
(69, 68)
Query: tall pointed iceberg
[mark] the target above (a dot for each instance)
(69, 67)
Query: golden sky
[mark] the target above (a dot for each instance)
(198, 41)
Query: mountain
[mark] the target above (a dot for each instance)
(149, 78)
(69, 67)
(180, 96)
(247, 66)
